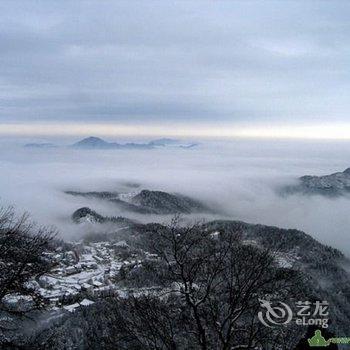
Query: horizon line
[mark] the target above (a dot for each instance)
(325, 131)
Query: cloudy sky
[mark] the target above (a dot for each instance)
(265, 68)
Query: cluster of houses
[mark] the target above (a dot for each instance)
(86, 271)
(79, 276)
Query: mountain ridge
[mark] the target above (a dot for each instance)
(148, 202)
(93, 142)
(332, 185)
(97, 143)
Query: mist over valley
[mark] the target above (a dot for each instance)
(241, 179)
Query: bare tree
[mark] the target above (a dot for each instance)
(22, 247)
(149, 321)
(217, 280)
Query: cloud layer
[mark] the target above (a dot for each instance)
(240, 178)
(153, 62)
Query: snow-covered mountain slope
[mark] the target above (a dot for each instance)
(148, 202)
(330, 185)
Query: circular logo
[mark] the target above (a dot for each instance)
(276, 315)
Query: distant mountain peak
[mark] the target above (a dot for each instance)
(40, 145)
(167, 203)
(335, 184)
(92, 139)
(86, 214)
(163, 142)
(93, 142)
(145, 202)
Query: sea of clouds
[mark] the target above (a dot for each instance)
(241, 178)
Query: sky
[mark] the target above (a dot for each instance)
(202, 68)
